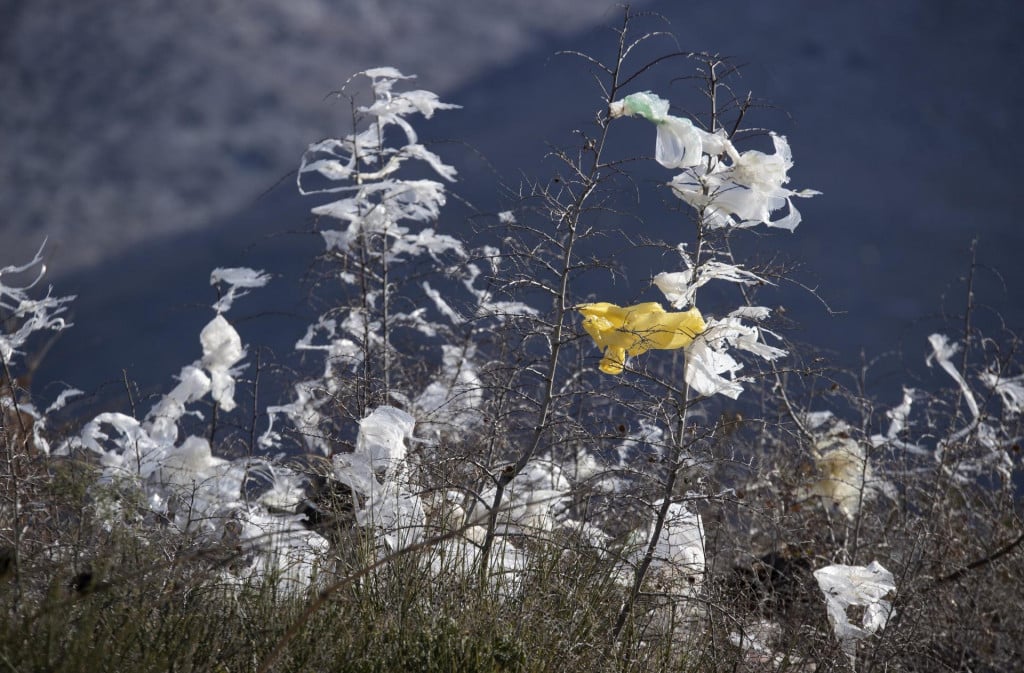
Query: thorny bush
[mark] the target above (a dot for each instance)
(495, 428)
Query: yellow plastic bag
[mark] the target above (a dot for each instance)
(631, 330)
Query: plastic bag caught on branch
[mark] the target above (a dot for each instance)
(856, 586)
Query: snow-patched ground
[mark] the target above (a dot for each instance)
(125, 121)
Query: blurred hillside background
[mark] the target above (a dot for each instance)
(150, 142)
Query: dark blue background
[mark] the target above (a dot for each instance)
(903, 114)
